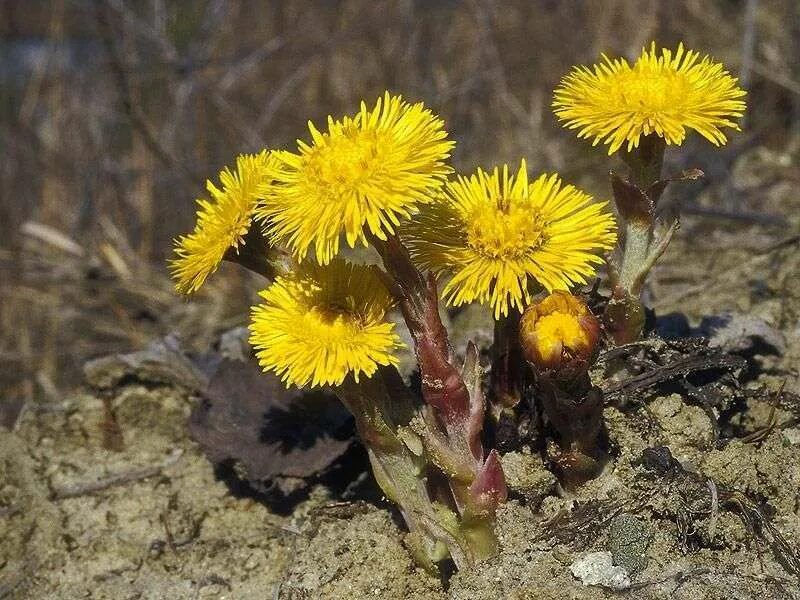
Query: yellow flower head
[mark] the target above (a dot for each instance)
(559, 333)
(368, 171)
(222, 221)
(321, 323)
(664, 94)
(495, 233)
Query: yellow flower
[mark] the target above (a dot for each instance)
(663, 95)
(368, 171)
(223, 221)
(321, 323)
(497, 233)
(559, 334)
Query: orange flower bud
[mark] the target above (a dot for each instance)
(559, 335)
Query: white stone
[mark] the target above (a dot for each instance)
(597, 568)
(792, 435)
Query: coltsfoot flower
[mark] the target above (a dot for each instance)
(364, 175)
(222, 221)
(496, 233)
(663, 94)
(321, 323)
(559, 334)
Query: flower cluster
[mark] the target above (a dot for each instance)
(497, 237)
(500, 237)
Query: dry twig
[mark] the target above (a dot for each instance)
(90, 487)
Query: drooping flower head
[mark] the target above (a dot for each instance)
(496, 233)
(321, 323)
(559, 335)
(223, 220)
(364, 175)
(663, 94)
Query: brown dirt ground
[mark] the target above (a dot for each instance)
(164, 527)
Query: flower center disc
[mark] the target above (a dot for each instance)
(347, 164)
(506, 231)
(653, 92)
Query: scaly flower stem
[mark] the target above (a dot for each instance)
(453, 418)
(645, 164)
(575, 410)
(636, 199)
(508, 379)
(507, 362)
(258, 256)
(382, 409)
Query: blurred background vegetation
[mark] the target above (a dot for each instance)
(114, 112)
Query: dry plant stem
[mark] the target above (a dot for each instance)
(454, 413)
(635, 199)
(91, 487)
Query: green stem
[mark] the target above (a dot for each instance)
(404, 473)
(646, 162)
(638, 240)
(625, 314)
(481, 537)
(380, 412)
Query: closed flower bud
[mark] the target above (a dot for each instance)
(559, 336)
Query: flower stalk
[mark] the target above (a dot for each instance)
(560, 339)
(645, 164)
(635, 198)
(506, 380)
(256, 255)
(641, 245)
(510, 408)
(575, 411)
(452, 417)
(383, 408)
